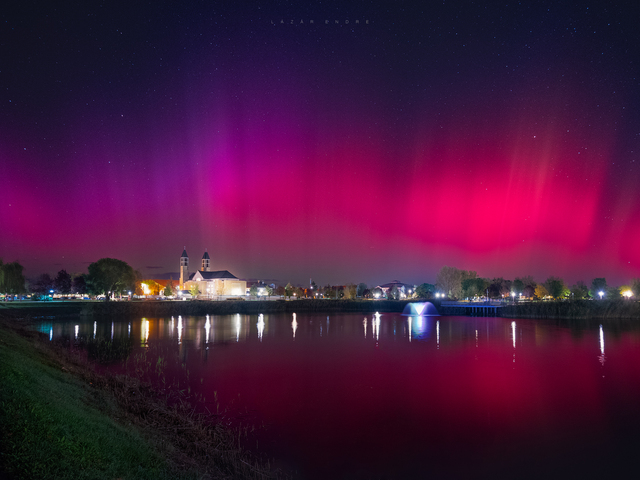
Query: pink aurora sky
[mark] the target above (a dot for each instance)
(334, 155)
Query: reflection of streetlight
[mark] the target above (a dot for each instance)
(601, 293)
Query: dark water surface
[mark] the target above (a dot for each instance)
(355, 396)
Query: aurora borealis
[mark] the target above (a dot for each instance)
(497, 139)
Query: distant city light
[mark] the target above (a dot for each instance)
(627, 294)
(601, 293)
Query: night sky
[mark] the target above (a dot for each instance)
(502, 139)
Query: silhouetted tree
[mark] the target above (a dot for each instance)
(425, 290)
(361, 289)
(12, 280)
(111, 275)
(598, 285)
(43, 284)
(555, 287)
(79, 285)
(579, 291)
(62, 282)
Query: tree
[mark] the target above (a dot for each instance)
(499, 288)
(43, 284)
(11, 278)
(635, 288)
(111, 275)
(62, 282)
(613, 293)
(280, 291)
(269, 290)
(579, 291)
(253, 291)
(353, 290)
(474, 287)
(361, 289)
(449, 280)
(541, 291)
(79, 285)
(194, 290)
(377, 292)
(517, 286)
(425, 290)
(288, 290)
(168, 290)
(555, 287)
(598, 285)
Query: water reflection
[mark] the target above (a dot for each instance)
(294, 325)
(601, 357)
(207, 327)
(260, 326)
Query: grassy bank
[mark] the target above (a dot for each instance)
(60, 419)
(575, 310)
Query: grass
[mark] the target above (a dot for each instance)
(60, 419)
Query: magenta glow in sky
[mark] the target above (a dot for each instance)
(503, 141)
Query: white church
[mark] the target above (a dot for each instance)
(219, 283)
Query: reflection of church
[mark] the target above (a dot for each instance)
(209, 283)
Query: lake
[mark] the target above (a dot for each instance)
(391, 396)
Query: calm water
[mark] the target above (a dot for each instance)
(355, 396)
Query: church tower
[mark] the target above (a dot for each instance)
(184, 268)
(206, 262)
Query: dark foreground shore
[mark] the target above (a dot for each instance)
(60, 419)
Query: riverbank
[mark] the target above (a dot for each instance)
(61, 419)
(620, 309)
(154, 308)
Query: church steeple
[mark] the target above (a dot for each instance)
(184, 268)
(206, 262)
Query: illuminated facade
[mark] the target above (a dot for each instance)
(210, 284)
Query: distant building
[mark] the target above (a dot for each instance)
(220, 283)
(403, 288)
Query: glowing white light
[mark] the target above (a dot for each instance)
(237, 327)
(294, 325)
(513, 333)
(409, 322)
(260, 326)
(51, 334)
(144, 331)
(112, 330)
(364, 322)
(95, 326)
(627, 294)
(207, 327)
(77, 328)
(376, 326)
(601, 293)
(438, 334)
(129, 330)
(419, 307)
(601, 340)
(179, 329)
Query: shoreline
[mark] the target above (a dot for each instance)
(61, 417)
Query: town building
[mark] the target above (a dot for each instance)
(210, 284)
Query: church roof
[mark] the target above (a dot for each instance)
(206, 255)
(184, 253)
(224, 274)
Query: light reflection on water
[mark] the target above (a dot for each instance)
(428, 386)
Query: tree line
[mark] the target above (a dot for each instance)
(455, 283)
(107, 276)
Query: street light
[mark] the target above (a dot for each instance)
(601, 293)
